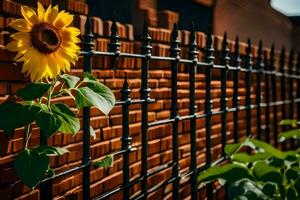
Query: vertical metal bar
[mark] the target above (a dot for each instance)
(267, 97)
(224, 61)
(259, 67)
(46, 189)
(193, 166)
(175, 52)
(274, 94)
(114, 45)
(126, 140)
(87, 59)
(291, 86)
(298, 86)
(283, 89)
(145, 92)
(248, 66)
(209, 58)
(236, 99)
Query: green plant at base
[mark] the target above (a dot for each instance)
(36, 104)
(257, 170)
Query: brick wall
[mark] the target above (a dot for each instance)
(108, 128)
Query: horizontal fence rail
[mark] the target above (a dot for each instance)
(262, 71)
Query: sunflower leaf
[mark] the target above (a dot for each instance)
(97, 95)
(70, 80)
(70, 124)
(48, 122)
(31, 166)
(295, 133)
(14, 115)
(228, 172)
(50, 150)
(33, 91)
(105, 162)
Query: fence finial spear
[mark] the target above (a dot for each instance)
(282, 59)
(209, 50)
(146, 28)
(192, 33)
(298, 64)
(175, 32)
(291, 61)
(88, 25)
(249, 62)
(260, 63)
(236, 54)
(224, 53)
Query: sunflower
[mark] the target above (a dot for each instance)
(45, 42)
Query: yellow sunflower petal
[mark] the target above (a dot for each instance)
(72, 30)
(51, 14)
(40, 13)
(53, 66)
(69, 36)
(64, 54)
(25, 37)
(17, 45)
(63, 20)
(29, 15)
(20, 25)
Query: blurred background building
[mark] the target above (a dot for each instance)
(255, 18)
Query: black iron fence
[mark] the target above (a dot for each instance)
(263, 70)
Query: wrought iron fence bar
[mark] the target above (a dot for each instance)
(209, 58)
(248, 66)
(193, 53)
(135, 101)
(223, 100)
(145, 95)
(274, 94)
(235, 98)
(87, 59)
(298, 87)
(259, 67)
(283, 89)
(267, 98)
(175, 52)
(290, 89)
(126, 139)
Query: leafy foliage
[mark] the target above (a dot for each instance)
(107, 161)
(37, 105)
(262, 172)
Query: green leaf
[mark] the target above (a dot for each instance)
(70, 122)
(50, 150)
(291, 193)
(233, 148)
(48, 122)
(295, 134)
(33, 91)
(87, 77)
(246, 158)
(270, 189)
(14, 115)
(291, 122)
(265, 172)
(97, 95)
(31, 167)
(105, 162)
(228, 172)
(245, 189)
(268, 149)
(293, 173)
(70, 80)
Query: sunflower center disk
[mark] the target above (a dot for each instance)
(45, 38)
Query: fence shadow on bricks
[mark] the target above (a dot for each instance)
(175, 114)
